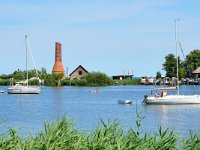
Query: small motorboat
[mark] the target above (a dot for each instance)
(1, 91)
(126, 101)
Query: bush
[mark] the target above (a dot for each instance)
(127, 82)
(50, 80)
(75, 82)
(90, 79)
(33, 82)
(97, 79)
(81, 82)
(65, 82)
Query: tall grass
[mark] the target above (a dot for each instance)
(127, 82)
(62, 135)
(4, 81)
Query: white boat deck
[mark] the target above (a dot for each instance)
(173, 100)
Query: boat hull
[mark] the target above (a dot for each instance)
(124, 102)
(24, 90)
(173, 100)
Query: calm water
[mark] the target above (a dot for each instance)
(28, 113)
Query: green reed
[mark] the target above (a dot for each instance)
(110, 135)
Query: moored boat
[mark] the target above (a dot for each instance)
(172, 100)
(23, 86)
(165, 99)
(23, 89)
(125, 101)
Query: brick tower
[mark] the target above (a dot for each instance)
(58, 66)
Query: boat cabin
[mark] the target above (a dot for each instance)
(163, 91)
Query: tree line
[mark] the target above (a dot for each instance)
(90, 79)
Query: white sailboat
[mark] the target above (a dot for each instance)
(23, 86)
(177, 99)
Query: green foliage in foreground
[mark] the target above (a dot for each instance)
(109, 136)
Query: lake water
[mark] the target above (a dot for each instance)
(28, 113)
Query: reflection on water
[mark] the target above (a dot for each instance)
(29, 112)
(182, 118)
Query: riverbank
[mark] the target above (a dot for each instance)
(81, 82)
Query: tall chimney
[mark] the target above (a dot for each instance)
(58, 66)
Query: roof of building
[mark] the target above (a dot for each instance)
(77, 69)
(197, 70)
(123, 75)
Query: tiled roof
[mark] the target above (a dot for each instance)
(197, 70)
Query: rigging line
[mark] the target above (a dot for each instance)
(32, 58)
(181, 49)
(187, 67)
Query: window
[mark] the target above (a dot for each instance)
(80, 73)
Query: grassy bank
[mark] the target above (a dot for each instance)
(110, 136)
(127, 82)
(98, 80)
(83, 82)
(4, 82)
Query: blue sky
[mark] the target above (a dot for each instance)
(110, 36)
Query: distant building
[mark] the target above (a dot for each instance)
(78, 73)
(122, 77)
(58, 66)
(196, 74)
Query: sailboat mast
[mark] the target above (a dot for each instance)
(176, 39)
(26, 58)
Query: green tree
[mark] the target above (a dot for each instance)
(18, 75)
(182, 70)
(42, 73)
(170, 65)
(31, 73)
(158, 75)
(4, 76)
(58, 76)
(50, 80)
(171, 68)
(193, 60)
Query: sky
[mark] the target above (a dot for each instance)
(111, 36)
